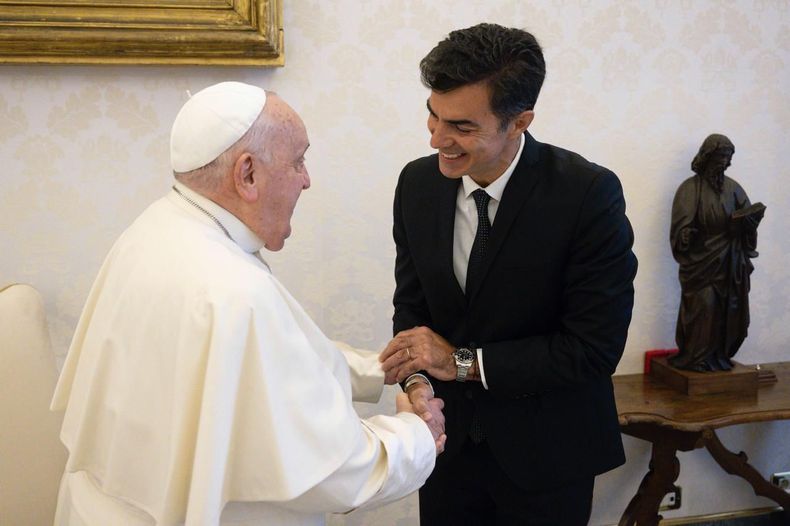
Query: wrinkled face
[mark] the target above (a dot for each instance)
(284, 176)
(467, 134)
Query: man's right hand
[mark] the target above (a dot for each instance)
(420, 400)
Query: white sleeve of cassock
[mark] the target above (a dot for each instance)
(367, 376)
(393, 459)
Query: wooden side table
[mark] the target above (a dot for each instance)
(672, 422)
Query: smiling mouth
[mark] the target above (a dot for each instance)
(451, 156)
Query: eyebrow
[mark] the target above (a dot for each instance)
(456, 122)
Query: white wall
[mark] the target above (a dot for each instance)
(634, 86)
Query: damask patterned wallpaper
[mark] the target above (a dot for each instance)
(634, 86)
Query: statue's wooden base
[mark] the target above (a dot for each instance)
(744, 379)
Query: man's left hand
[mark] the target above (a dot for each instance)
(418, 349)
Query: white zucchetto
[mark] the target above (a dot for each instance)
(211, 121)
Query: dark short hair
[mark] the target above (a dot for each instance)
(712, 143)
(509, 60)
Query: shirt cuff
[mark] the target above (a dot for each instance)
(417, 378)
(480, 367)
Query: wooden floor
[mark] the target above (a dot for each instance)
(773, 519)
(768, 519)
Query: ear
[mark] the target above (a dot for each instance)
(245, 180)
(520, 123)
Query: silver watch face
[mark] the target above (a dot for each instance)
(464, 356)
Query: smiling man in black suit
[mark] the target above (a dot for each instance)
(514, 289)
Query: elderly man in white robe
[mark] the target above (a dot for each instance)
(196, 389)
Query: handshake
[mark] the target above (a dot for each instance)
(411, 351)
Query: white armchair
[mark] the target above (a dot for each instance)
(31, 455)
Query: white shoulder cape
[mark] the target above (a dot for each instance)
(195, 379)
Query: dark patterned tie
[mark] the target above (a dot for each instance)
(481, 238)
(472, 273)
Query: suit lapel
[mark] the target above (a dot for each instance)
(445, 210)
(515, 195)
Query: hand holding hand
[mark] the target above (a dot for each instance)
(420, 400)
(418, 349)
(426, 406)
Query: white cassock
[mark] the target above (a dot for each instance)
(197, 391)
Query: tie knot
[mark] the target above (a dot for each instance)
(481, 198)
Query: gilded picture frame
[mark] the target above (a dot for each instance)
(203, 32)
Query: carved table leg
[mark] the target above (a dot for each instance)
(739, 465)
(664, 470)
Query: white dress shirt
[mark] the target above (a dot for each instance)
(466, 225)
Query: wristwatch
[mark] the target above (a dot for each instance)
(464, 358)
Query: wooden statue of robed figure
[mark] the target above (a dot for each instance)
(714, 237)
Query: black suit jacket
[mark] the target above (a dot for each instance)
(551, 311)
